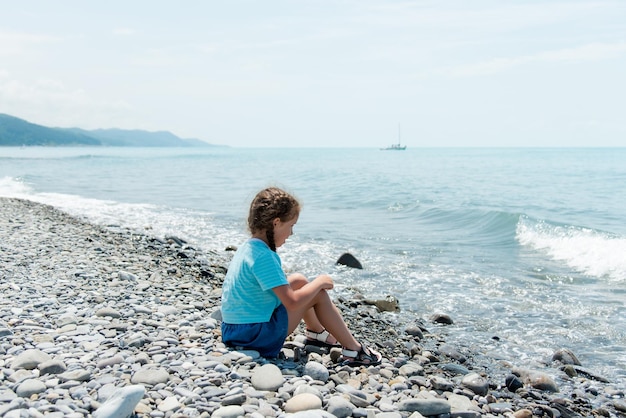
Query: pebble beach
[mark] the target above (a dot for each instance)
(102, 321)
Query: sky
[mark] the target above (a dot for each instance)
(319, 73)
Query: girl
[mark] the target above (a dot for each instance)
(261, 305)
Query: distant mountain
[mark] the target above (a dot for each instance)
(15, 131)
(138, 138)
(18, 132)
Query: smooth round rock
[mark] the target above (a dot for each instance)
(317, 371)
(107, 311)
(51, 367)
(267, 377)
(440, 383)
(565, 356)
(411, 369)
(231, 411)
(80, 375)
(150, 376)
(441, 318)
(425, 407)
(513, 383)
(522, 413)
(340, 407)
(30, 387)
(30, 359)
(303, 402)
(169, 404)
(536, 379)
(476, 383)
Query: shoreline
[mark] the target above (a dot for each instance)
(108, 308)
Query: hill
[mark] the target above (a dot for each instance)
(19, 132)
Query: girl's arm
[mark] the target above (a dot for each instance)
(294, 299)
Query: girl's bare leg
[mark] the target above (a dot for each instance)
(322, 315)
(296, 281)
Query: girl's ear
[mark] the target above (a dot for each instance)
(275, 222)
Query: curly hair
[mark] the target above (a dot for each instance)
(267, 205)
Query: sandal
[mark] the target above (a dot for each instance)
(319, 339)
(364, 357)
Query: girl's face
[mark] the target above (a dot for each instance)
(282, 230)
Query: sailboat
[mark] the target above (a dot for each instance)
(395, 147)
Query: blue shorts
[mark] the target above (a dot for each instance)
(265, 337)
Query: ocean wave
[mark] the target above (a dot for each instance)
(595, 253)
(473, 226)
(197, 227)
(14, 187)
(45, 155)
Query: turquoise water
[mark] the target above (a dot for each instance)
(528, 245)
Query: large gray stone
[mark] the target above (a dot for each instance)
(150, 376)
(425, 407)
(303, 402)
(536, 379)
(30, 387)
(122, 403)
(340, 407)
(476, 383)
(267, 377)
(30, 359)
(231, 411)
(317, 371)
(51, 367)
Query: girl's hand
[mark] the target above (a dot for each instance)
(300, 297)
(324, 281)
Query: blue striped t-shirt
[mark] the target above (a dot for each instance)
(247, 295)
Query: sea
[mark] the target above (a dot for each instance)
(524, 248)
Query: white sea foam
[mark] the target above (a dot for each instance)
(146, 218)
(591, 252)
(11, 187)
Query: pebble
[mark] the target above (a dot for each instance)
(229, 412)
(30, 387)
(426, 407)
(476, 383)
(121, 403)
(150, 376)
(107, 322)
(29, 359)
(340, 407)
(267, 377)
(303, 402)
(317, 371)
(536, 379)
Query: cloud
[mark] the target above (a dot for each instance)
(12, 43)
(587, 52)
(50, 102)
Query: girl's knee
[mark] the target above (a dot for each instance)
(297, 280)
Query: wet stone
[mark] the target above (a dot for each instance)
(476, 383)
